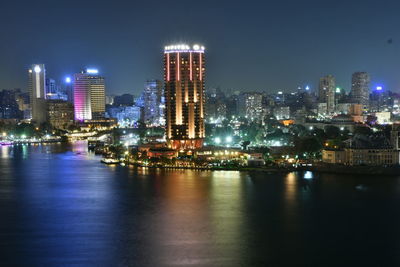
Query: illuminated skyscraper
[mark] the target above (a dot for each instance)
(184, 95)
(360, 88)
(327, 91)
(89, 95)
(37, 90)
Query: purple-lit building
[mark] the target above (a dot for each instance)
(89, 95)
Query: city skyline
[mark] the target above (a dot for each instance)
(284, 40)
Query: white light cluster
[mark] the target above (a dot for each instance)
(37, 69)
(184, 47)
(92, 71)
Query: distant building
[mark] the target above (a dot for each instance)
(216, 107)
(343, 108)
(360, 88)
(9, 108)
(383, 117)
(69, 89)
(232, 106)
(23, 101)
(126, 116)
(252, 105)
(322, 109)
(60, 114)
(152, 97)
(327, 88)
(37, 89)
(184, 95)
(109, 100)
(89, 95)
(282, 113)
(51, 88)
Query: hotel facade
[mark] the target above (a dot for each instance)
(89, 95)
(184, 69)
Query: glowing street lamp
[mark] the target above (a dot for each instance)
(228, 139)
(217, 140)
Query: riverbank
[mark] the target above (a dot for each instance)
(356, 170)
(335, 169)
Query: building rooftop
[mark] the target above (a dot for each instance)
(183, 48)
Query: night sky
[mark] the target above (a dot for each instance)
(250, 45)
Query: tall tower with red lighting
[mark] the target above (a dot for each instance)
(184, 96)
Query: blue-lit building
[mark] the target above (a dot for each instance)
(127, 116)
(153, 103)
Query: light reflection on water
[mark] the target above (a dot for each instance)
(59, 205)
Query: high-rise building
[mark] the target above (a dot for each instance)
(184, 95)
(37, 90)
(152, 96)
(327, 90)
(89, 95)
(360, 88)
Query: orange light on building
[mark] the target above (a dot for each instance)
(287, 122)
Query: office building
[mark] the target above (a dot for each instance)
(89, 95)
(184, 95)
(37, 90)
(327, 90)
(360, 88)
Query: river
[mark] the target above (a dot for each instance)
(60, 206)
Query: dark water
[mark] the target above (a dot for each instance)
(59, 207)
